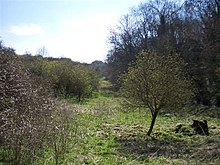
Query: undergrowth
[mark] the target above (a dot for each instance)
(108, 134)
(105, 133)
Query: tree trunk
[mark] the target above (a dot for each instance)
(154, 116)
(79, 97)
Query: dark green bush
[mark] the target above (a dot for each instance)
(66, 78)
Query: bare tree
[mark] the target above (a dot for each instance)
(43, 51)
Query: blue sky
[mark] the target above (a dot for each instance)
(76, 29)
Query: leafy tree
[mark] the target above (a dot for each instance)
(156, 82)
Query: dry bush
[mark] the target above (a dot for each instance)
(63, 130)
(25, 112)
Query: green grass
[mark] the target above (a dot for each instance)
(108, 134)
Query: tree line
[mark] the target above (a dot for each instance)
(65, 77)
(190, 30)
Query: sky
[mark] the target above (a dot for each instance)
(76, 29)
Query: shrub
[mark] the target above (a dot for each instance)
(63, 131)
(25, 112)
(66, 77)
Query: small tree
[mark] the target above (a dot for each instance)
(156, 82)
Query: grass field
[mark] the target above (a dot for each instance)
(103, 132)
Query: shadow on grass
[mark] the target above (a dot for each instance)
(170, 147)
(149, 147)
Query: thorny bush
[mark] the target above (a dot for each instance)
(25, 112)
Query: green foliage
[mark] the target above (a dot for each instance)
(156, 82)
(103, 132)
(172, 26)
(66, 78)
(108, 135)
(32, 121)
